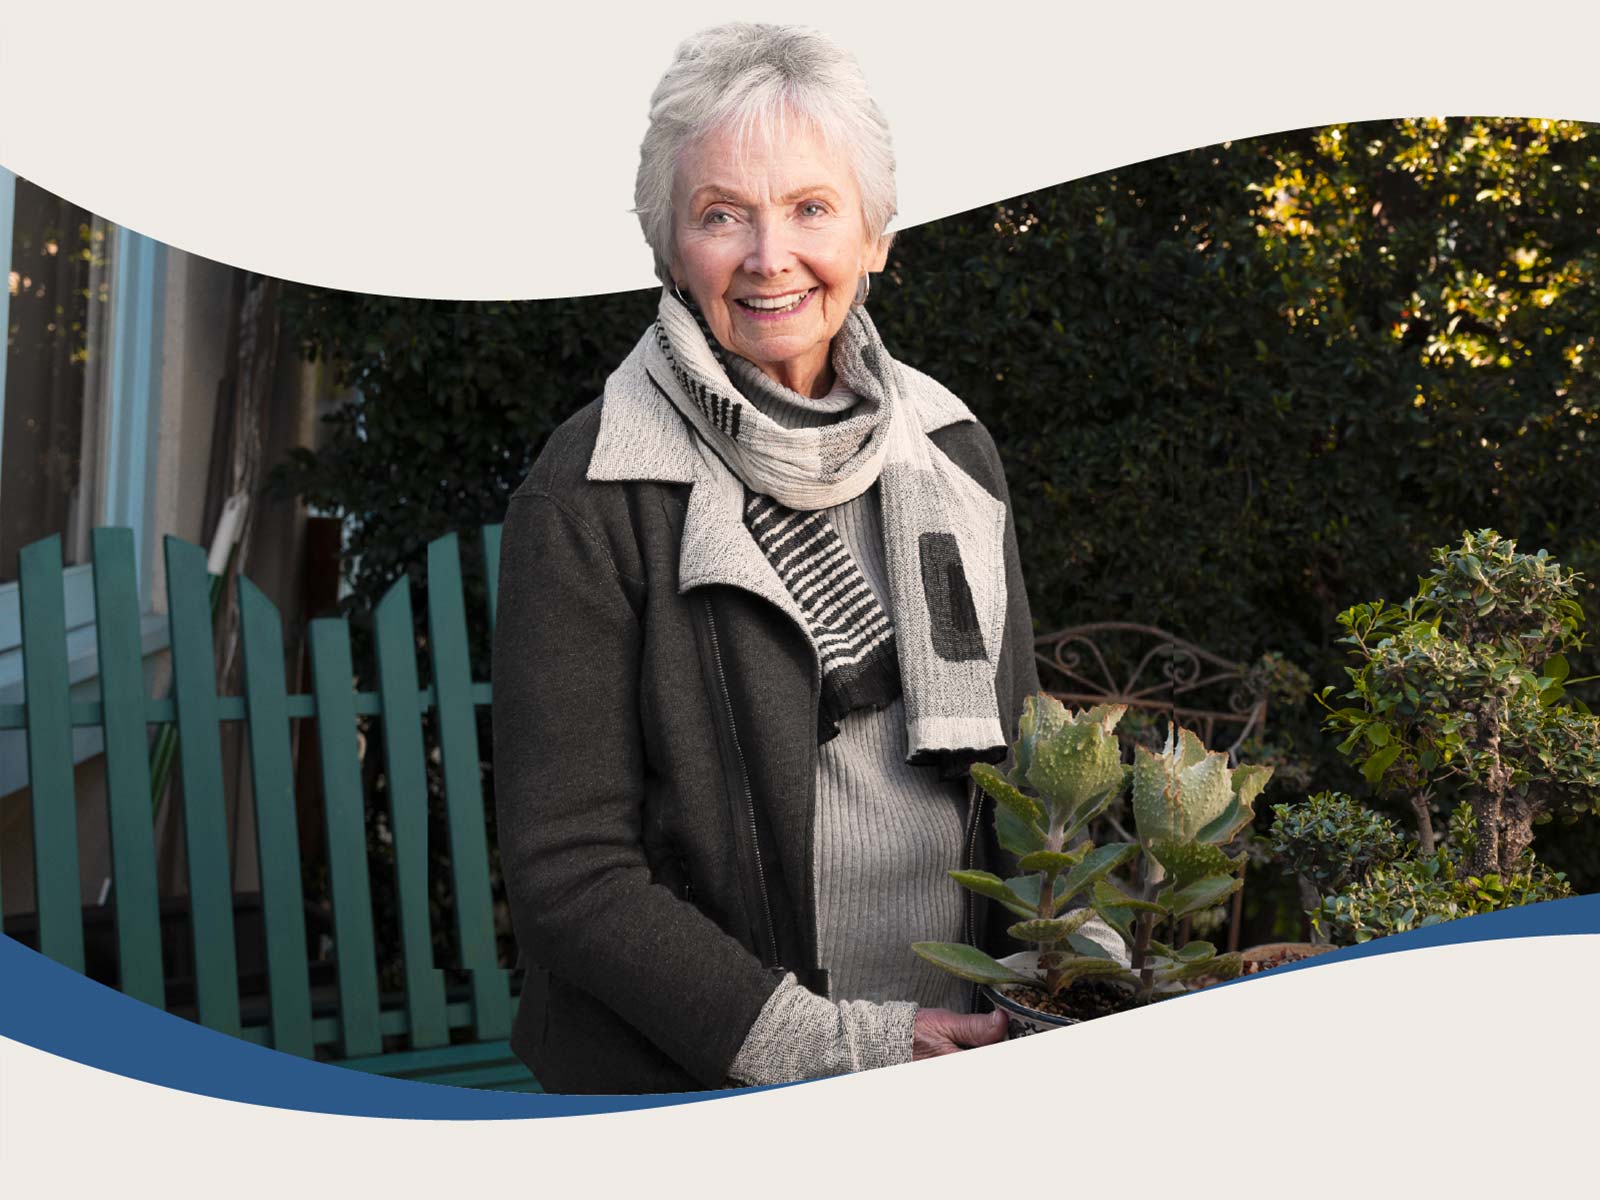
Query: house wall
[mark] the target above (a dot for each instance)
(200, 296)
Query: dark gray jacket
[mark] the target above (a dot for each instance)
(655, 747)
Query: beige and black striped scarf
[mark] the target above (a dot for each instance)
(942, 544)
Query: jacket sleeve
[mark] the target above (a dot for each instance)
(569, 785)
(801, 1035)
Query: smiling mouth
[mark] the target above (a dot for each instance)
(774, 306)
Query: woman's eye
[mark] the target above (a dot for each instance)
(812, 208)
(718, 216)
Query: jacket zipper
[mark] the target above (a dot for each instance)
(969, 859)
(744, 779)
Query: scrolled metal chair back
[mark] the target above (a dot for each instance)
(1152, 670)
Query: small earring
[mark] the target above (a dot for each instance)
(863, 290)
(679, 294)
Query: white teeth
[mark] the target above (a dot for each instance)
(775, 303)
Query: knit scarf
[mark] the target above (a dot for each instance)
(930, 645)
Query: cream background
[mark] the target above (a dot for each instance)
(487, 150)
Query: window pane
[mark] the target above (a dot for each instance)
(59, 280)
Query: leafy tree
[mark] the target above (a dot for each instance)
(1464, 683)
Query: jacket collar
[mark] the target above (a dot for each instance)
(643, 437)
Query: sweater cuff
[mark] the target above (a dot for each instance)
(800, 1035)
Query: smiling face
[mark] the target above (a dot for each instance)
(770, 240)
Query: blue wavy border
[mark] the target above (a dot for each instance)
(54, 1009)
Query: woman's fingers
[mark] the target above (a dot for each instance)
(940, 1031)
(983, 1029)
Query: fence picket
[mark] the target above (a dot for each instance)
(54, 799)
(128, 801)
(463, 787)
(345, 822)
(396, 641)
(277, 841)
(205, 823)
(491, 570)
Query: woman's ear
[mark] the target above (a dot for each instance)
(878, 255)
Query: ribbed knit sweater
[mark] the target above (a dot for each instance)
(886, 835)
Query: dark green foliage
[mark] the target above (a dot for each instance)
(1420, 890)
(1330, 840)
(450, 402)
(1232, 387)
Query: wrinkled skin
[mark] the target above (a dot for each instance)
(772, 218)
(940, 1031)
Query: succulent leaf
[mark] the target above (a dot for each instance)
(1201, 894)
(1087, 946)
(1191, 750)
(1048, 932)
(1187, 788)
(997, 889)
(1222, 966)
(1194, 952)
(1083, 816)
(1186, 862)
(1006, 794)
(969, 963)
(1107, 895)
(1077, 764)
(1016, 835)
(1042, 713)
(1228, 966)
(1095, 866)
(1235, 817)
(1049, 860)
(1248, 780)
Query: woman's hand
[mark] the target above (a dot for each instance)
(940, 1031)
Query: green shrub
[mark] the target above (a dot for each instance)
(1464, 686)
(1330, 840)
(1424, 890)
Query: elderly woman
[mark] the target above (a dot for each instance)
(760, 609)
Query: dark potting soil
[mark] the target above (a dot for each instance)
(1090, 998)
(1083, 1000)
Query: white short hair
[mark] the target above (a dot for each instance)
(753, 79)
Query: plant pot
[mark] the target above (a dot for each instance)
(1276, 954)
(1023, 1021)
(1024, 1018)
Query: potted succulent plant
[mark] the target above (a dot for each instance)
(1094, 936)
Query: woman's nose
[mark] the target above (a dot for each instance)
(770, 252)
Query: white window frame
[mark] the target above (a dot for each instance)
(127, 461)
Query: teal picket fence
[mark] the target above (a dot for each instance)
(425, 1029)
